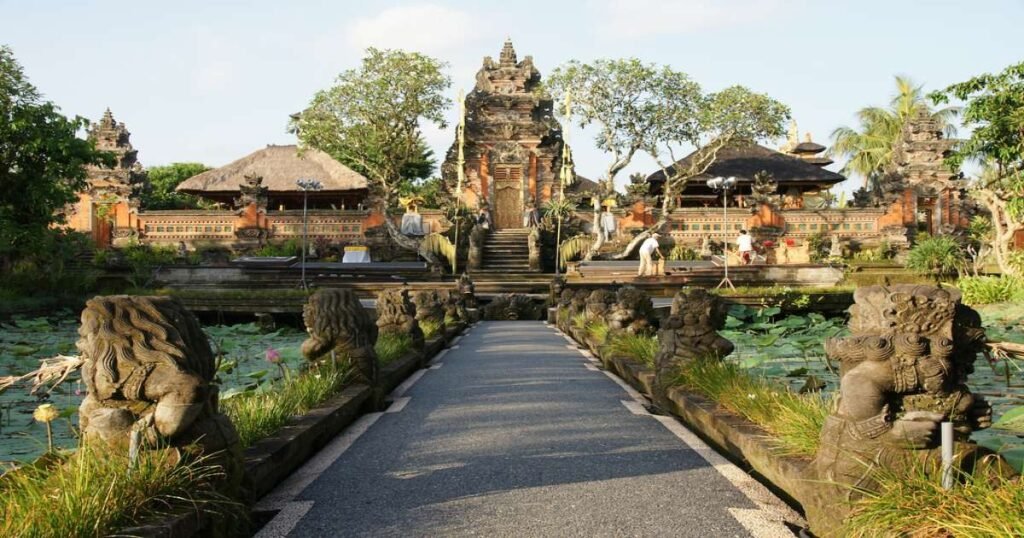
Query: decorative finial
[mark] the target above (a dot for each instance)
(508, 54)
(807, 136)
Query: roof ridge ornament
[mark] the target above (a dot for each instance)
(508, 54)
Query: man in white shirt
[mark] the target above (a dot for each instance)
(746, 247)
(647, 248)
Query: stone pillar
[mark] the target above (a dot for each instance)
(485, 173)
(532, 185)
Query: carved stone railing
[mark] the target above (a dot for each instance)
(343, 225)
(174, 226)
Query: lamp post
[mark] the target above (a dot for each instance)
(306, 185)
(724, 184)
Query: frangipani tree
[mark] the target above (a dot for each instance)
(371, 121)
(640, 107)
(994, 110)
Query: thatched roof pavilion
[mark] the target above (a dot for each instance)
(279, 167)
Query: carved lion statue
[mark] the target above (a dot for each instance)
(598, 303)
(689, 333)
(902, 372)
(632, 312)
(148, 367)
(512, 306)
(467, 290)
(397, 314)
(454, 306)
(429, 306)
(340, 329)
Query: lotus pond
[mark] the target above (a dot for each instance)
(248, 360)
(790, 350)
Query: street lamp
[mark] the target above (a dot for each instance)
(724, 184)
(306, 185)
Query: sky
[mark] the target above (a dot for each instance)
(211, 81)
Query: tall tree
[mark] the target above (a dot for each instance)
(162, 182)
(42, 161)
(371, 121)
(994, 111)
(640, 107)
(869, 150)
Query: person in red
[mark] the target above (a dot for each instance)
(746, 247)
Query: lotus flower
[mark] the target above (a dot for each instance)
(273, 355)
(46, 414)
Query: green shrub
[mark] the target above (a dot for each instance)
(937, 256)
(683, 253)
(991, 289)
(641, 348)
(291, 247)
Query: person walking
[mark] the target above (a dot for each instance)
(746, 247)
(647, 248)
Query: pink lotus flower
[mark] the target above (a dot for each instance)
(273, 356)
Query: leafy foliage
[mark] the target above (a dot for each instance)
(994, 112)
(370, 119)
(162, 182)
(392, 346)
(42, 162)
(991, 289)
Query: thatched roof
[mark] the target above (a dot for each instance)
(279, 166)
(743, 159)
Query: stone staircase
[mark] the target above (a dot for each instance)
(507, 251)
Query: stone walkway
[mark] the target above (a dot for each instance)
(514, 432)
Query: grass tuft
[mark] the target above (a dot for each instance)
(430, 328)
(392, 346)
(639, 347)
(794, 420)
(93, 493)
(262, 413)
(913, 503)
(598, 330)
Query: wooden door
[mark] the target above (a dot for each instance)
(508, 197)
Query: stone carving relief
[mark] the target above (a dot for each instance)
(512, 307)
(429, 306)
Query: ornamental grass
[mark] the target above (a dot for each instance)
(262, 413)
(639, 347)
(913, 503)
(95, 492)
(794, 420)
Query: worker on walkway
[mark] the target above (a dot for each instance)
(647, 248)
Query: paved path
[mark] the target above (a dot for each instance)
(514, 432)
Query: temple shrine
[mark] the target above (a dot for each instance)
(513, 153)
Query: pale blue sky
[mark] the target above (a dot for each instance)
(211, 81)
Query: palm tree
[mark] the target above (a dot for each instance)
(869, 151)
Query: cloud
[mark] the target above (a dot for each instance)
(427, 28)
(636, 18)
